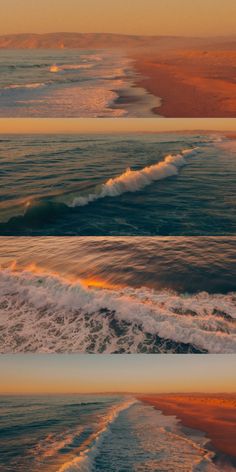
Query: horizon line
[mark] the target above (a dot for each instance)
(112, 132)
(124, 34)
(121, 393)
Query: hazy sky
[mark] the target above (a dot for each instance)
(113, 125)
(171, 17)
(131, 373)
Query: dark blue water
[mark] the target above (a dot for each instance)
(73, 433)
(79, 185)
(41, 433)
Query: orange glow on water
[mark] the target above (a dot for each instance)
(54, 68)
(13, 266)
(35, 269)
(97, 283)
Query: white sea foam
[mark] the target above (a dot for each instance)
(94, 96)
(77, 66)
(46, 314)
(165, 443)
(228, 145)
(135, 180)
(54, 68)
(33, 85)
(84, 462)
(92, 57)
(157, 444)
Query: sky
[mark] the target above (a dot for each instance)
(71, 373)
(113, 125)
(148, 17)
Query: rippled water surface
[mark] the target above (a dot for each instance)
(67, 83)
(95, 433)
(118, 185)
(118, 294)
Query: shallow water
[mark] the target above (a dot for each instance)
(118, 295)
(80, 185)
(70, 83)
(95, 433)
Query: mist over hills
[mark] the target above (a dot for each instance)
(62, 40)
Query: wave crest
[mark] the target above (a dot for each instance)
(135, 180)
(43, 313)
(33, 85)
(84, 463)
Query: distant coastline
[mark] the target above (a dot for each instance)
(61, 40)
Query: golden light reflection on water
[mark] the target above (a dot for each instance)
(54, 68)
(98, 283)
(115, 263)
(35, 269)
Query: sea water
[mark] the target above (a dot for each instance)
(118, 294)
(71, 83)
(147, 185)
(91, 433)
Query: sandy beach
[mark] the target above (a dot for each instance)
(215, 415)
(171, 76)
(190, 83)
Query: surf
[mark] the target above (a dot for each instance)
(84, 462)
(156, 443)
(135, 180)
(43, 312)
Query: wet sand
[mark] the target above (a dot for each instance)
(136, 102)
(190, 83)
(193, 77)
(215, 415)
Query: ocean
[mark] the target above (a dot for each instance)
(118, 294)
(95, 185)
(70, 83)
(96, 433)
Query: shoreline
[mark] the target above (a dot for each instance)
(119, 98)
(175, 82)
(136, 101)
(188, 85)
(213, 415)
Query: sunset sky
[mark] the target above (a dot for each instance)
(113, 125)
(109, 373)
(148, 17)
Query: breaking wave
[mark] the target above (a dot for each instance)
(54, 68)
(41, 312)
(84, 461)
(156, 444)
(32, 85)
(135, 180)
